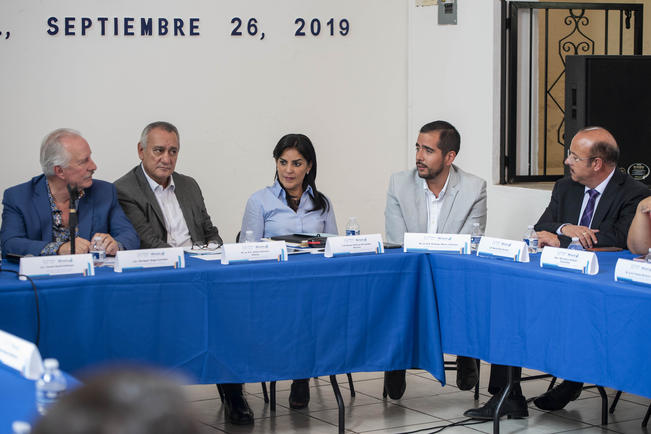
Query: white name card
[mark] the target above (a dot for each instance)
(581, 261)
(39, 266)
(448, 243)
(633, 271)
(20, 355)
(262, 251)
(353, 244)
(506, 249)
(149, 258)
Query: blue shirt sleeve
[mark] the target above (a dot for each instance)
(331, 222)
(253, 219)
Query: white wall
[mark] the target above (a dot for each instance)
(454, 72)
(361, 98)
(232, 98)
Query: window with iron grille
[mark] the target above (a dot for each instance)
(536, 39)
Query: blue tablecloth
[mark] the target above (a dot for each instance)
(307, 317)
(575, 326)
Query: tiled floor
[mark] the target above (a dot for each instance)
(424, 406)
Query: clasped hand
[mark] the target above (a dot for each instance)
(82, 245)
(587, 237)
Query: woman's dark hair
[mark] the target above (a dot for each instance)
(303, 145)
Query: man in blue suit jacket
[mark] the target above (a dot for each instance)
(35, 214)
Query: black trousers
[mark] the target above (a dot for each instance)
(499, 378)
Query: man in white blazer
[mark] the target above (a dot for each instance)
(435, 197)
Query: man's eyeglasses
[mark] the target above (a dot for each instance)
(206, 246)
(573, 158)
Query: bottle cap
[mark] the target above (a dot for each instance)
(575, 238)
(51, 363)
(530, 226)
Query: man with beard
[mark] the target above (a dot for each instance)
(435, 197)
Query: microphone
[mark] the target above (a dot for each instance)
(73, 217)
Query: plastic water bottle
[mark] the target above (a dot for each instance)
(248, 237)
(98, 251)
(352, 227)
(50, 386)
(475, 237)
(531, 239)
(20, 427)
(575, 244)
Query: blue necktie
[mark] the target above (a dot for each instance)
(589, 209)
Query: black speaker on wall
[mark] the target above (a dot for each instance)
(613, 92)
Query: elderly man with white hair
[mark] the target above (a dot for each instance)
(35, 215)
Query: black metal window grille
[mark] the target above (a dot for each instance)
(528, 152)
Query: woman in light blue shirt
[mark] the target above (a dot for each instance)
(291, 205)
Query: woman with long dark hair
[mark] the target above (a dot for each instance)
(291, 205)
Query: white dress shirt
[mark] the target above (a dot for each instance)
(178, 234)
(434, 205)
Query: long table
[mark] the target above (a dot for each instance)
(313, 316)
(574, 326)
(306, 317)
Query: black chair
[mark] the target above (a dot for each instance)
(645, 421)
(602, 393)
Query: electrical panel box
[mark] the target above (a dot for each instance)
(447, 11)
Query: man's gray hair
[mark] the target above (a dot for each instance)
(162, 125)
(53, 153)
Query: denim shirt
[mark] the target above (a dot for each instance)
(267, 214)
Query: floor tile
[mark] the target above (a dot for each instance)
(417, 386)
(199, 392)
(425, 405)
(426, 427)
(294, 423)
(633, 426)
(537, 423)
(588, 410)
(447, 406)
(376, 417)
(322, 397)
(211, 411)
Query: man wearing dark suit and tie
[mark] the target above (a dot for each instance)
(167, 209)
(35, 217)
(596, 204)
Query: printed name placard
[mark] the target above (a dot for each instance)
(633, 271)
(448, 243)
(40, 266)
(149, 258)
(506, 249)
(353, 244)
(262, 251)
(20, 355)
(581, 261)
